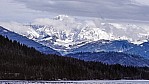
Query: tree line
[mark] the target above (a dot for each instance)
(19, 62)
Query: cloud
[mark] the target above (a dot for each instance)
(11, 10)
(114, 9)
(141, 2)
(111, 9)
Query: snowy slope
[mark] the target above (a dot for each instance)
(115, 46)
(26, 41)
(142, 50)
(105, 45)
(66, 33)
(112, 58)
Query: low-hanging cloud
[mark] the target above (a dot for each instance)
(113, 9)
(27, 10)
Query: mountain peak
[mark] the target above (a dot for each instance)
(61, 17)
(65, 32)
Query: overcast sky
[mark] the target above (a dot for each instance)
(27, 10)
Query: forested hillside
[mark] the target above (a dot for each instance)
(18, 61)
(112, 58)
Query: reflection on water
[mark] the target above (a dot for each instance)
(76, 82)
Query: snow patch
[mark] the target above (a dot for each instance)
(65, 32)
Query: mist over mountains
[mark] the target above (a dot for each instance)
(28, 10)
(71, 35)
(74, 39)
(64, 33)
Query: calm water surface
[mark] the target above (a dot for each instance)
(77, 82)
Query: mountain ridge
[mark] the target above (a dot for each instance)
(115, 46)
(67, 34)
(112, 58)
(26, 41)
(64, 33)
(19, 62)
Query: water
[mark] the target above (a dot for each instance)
(76, 82)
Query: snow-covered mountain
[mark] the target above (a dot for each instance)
(26, 41)
(112, 58)
(66, 33)
(70, 35)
